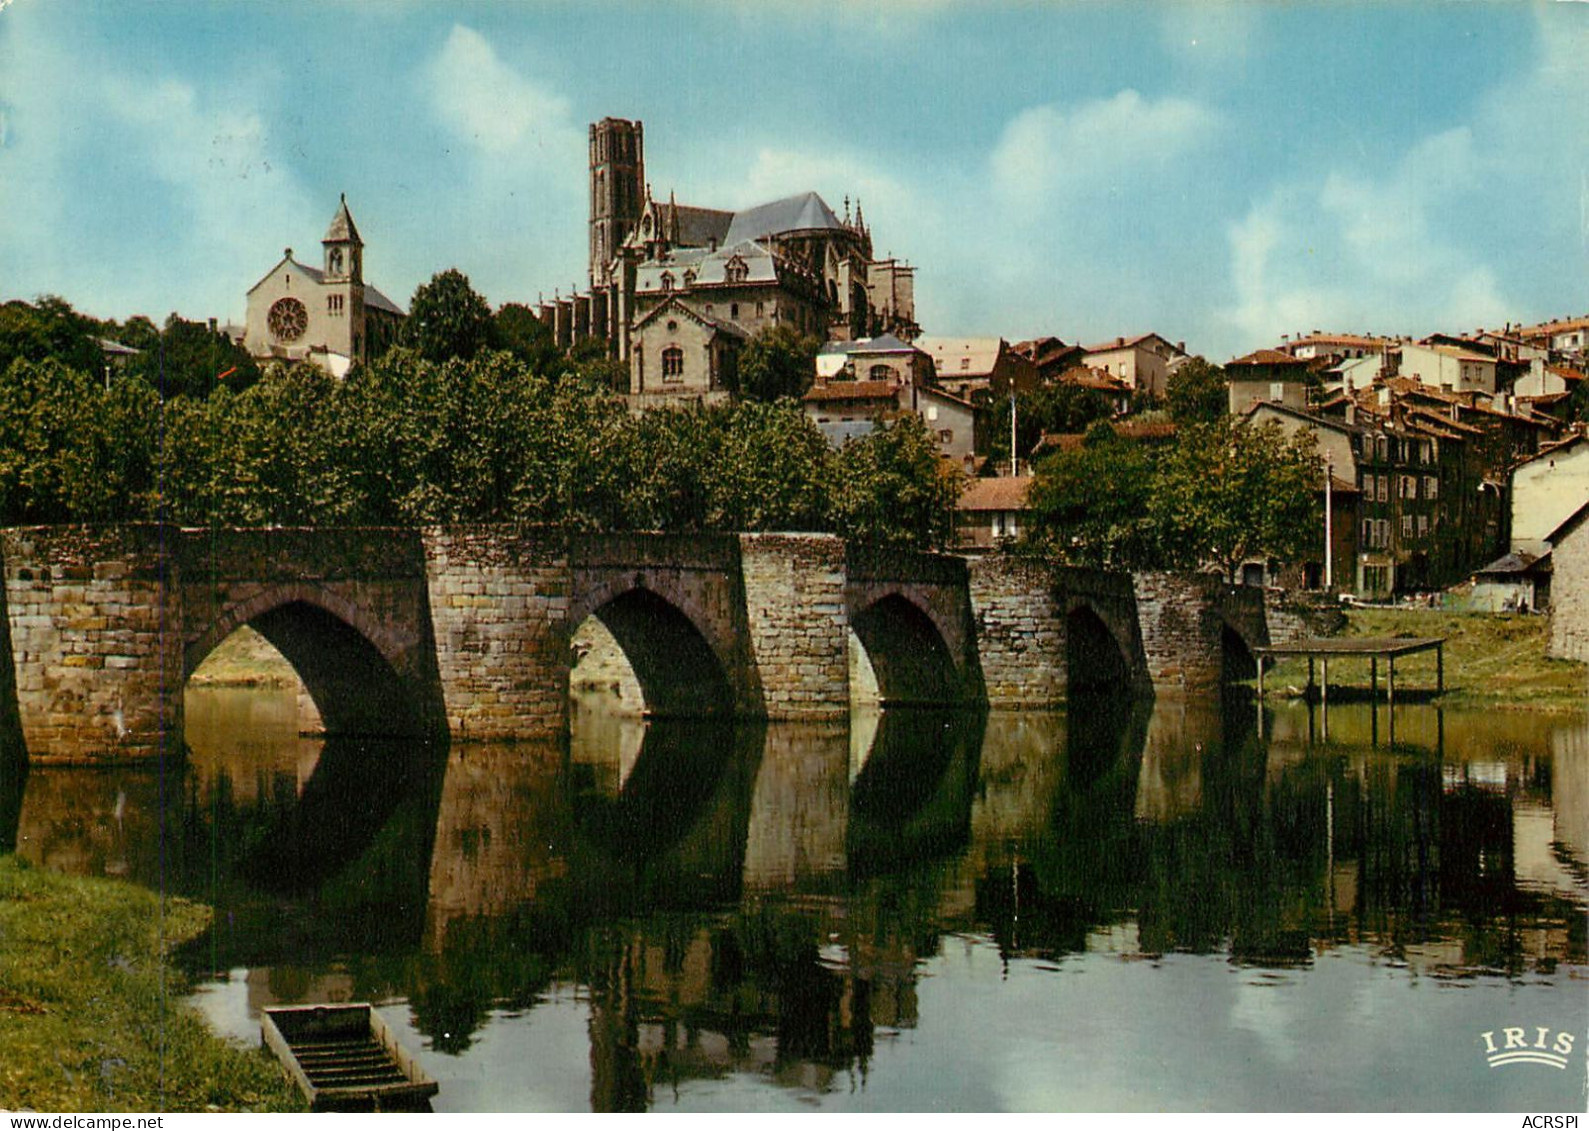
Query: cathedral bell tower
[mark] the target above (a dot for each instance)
(617, 189)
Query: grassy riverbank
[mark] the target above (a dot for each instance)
(89, 1017)
(1490, 660)
(244, 659)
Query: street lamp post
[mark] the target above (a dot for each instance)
(1329, 539)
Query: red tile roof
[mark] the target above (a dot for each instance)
(1001, 494)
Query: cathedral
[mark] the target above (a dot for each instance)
(676, 290)
(325, 314)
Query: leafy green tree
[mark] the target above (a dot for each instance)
(189, 359)
(447, 319)
(1197, 392)
(1226, 492)
(892, 487)
(779, 361)
(1090, 506)
(519, 330)
(1059, 407)
(49, 328)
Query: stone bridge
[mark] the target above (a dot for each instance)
(465, 630)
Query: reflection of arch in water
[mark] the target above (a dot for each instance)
(675, 830)
(908, 655)
(359, 790)
(1238, 663)
(912, 798)
(678, 672)
(348, 665)
(1095, 660)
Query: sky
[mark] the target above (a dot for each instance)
(1221, 174)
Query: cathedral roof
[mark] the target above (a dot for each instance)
(342, 229)
(701, 226)
(805, 212)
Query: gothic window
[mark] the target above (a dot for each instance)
(672, 363)
(334, 261)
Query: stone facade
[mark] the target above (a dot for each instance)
(1197, 631)
(798, 621)
(1569, 589)
(499, 600)
(1020, 631)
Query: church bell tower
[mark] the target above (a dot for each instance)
(617, 188)
(344, 250)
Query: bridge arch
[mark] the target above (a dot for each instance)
(910, 657)
(347, 664)
(680, 672)
(1097, 652)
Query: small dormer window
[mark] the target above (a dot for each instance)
(736, 271)
(689, 278)
(667, 280)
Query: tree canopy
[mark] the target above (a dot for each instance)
(1197, 392)
(447, 318)
(1221, 493)
(406, 440)
(779, 361)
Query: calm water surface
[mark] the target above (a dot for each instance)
(1113, 907)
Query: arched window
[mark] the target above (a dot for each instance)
(672, 363)
(880, 373)
(667, 281)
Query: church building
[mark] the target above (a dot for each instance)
(676, 289)
(326, 314)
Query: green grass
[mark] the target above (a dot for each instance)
(1490, 660)
(89, 1016)
(245, 659)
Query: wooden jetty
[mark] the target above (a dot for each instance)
(1325, 648)
(344, 1058)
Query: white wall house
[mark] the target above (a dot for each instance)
(1547, 490)
(1447, 367)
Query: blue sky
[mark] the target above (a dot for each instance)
(1220, 173)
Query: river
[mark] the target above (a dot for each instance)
(1113, 907)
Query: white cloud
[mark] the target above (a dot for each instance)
(520, 175)
(182, 185)
(1097, 146)
(484, 100)
(1473, 225)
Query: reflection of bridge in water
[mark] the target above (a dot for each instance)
(466, 631)
(769, 915)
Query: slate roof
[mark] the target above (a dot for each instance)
(342, 227)
(701, 226)
(805, 212)
(1514, 562)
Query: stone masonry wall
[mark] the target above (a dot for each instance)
(795, 606)
(1020, 631)
(1295, 616)
(1569, 595)
(1180, 631)
(499, 606)
(94, 669)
